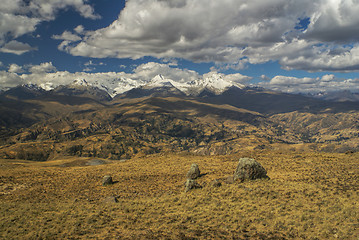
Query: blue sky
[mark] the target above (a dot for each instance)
(306, 46)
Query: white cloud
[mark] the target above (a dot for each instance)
(9, 80)
(149, 70)
(43, 68)
(196, 30)
(237, 77)
(66, 35)
(79, 29)
(335, 21)
(47, 9)
(324, 58)
(327, 83)
(67, 38)
(14, 68)
(232, 33)
(13, 26)
(16, 47)
(19, 17)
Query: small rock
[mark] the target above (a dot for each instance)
(249, 169)
(107, 180)
(229, 180)
(191, 184)
(193, 172)
(216, 183)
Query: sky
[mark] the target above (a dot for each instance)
(304, 46)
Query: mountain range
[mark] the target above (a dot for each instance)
(203, 117)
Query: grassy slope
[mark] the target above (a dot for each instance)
(309, 196)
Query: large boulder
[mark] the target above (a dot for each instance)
(249, 169)
(193, 172)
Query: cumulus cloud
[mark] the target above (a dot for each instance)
(232, 33)
(13, 26)
(43, 68)
(19, 17)
(14, 68)
(196, 30)
(66, 35)
(326, 83)
(16, 47)
(67, 38)
(9, 80)
(237, 77)
(335, 21)
(149, 70)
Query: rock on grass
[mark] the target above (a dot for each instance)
(193, 172)
(249, 169)
(107, 180)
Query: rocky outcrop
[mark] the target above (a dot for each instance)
(249, 169)
(193, 172)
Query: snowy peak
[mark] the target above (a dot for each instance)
(80, 82)
(159, 81)
(212, 82)
(217, 83)
(122, 85)
(25, 92)
(32, 87)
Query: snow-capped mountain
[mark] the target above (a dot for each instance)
(80, 82)
(117, 86)
(158, 81)
(212, 82)
(216, 83)
(82, 88)
(25, 91)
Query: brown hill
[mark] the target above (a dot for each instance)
(54, 125)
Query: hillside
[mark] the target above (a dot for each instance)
(60, 125)
(138, 126)
(308, 196)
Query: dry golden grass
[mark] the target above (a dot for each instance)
(309, 196)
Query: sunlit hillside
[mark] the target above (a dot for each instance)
(308, 196)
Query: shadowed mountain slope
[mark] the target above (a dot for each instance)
(269, 102)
